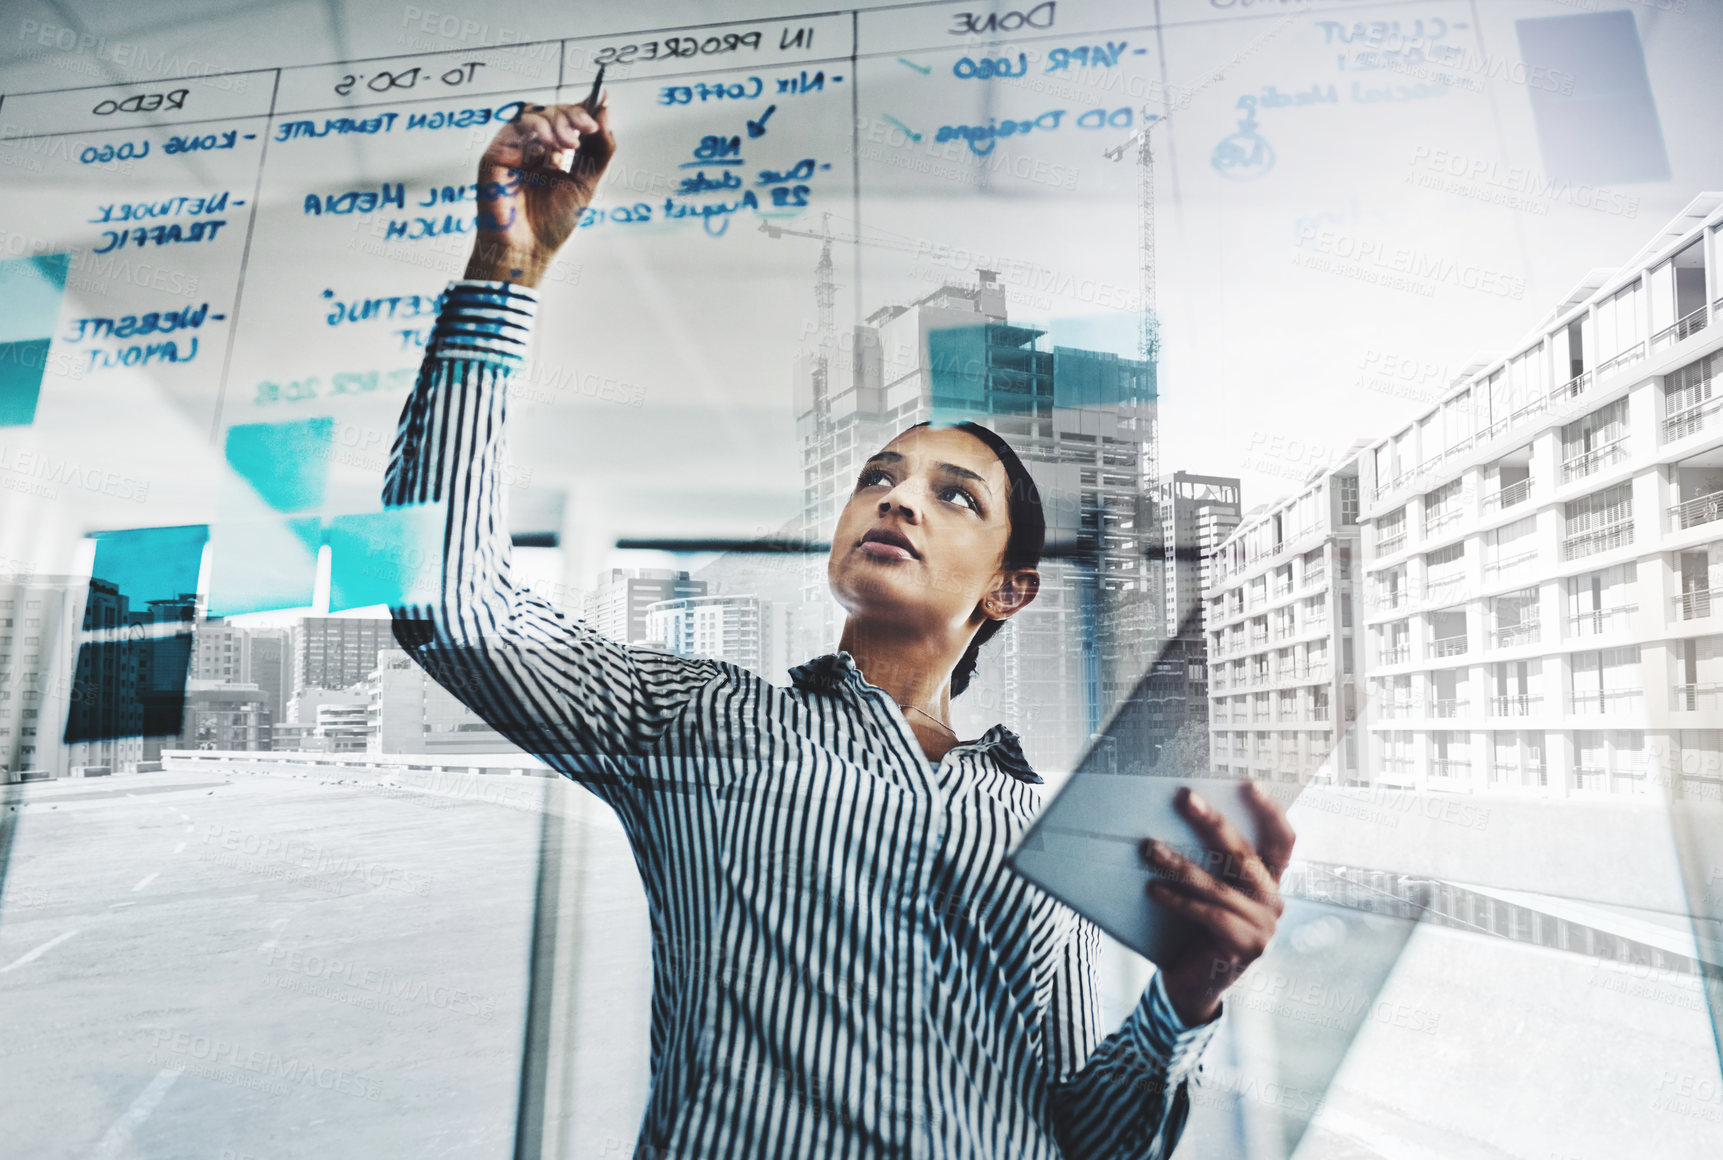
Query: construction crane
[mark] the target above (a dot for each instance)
(825, 287)
(1148, 329)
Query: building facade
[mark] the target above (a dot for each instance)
(1542, 547)
(1198, 513)
(1284, 649)
(617, 606)
(225, 715)
(337, 652)
(408, 712)
(737, 629)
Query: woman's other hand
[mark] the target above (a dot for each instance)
(1234, 902)
(539, 173)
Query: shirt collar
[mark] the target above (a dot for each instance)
(838, 670)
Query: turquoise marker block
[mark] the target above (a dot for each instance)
(148, 564)
(21, 366)
(30, 293)
(264, 566)
(288, 463)
(392, 557)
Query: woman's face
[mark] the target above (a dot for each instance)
(921, 540)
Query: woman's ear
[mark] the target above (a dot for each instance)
(1013, 594)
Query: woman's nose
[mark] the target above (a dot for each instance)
(899, 499)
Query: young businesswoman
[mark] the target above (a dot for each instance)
(841, 964)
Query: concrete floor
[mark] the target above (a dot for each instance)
(267, 967)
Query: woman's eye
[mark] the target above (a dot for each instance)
(869, 477)
(961, 493)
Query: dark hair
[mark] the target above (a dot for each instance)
(1022, 547)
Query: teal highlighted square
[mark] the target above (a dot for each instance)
(288, 463)
(30, 293)
(263, 566)
(1096, 378)
(392, 557)
(21, 365)
(147, 564)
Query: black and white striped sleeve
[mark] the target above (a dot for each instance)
(1127, 1096)
(550, 683)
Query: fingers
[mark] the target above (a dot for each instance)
(1189, 879)
(1274, 834)
(1234, 935)
(1240, 857)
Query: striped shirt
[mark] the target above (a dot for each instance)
(842, 965)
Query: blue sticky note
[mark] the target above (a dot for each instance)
(148, 564)
(21, 366)
(129, 688)
(263, 566)
(1591, 98)
(288, 463)
(391, 557)
(30, 293)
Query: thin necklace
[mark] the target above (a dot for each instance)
(930, 717)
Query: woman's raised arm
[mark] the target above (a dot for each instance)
(548, 682)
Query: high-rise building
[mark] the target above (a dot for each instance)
(737, 629)
(335, 652)
(408, 712)
(225, 715)
(1283, 639)
(1544, 544)
(1082, 421)
(1198, 513)
(617, 606)
(227, 653)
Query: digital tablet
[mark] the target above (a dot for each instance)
(1083, 848)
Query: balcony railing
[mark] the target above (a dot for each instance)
(1509, 563)
(1396, 654)
(1512, 635)
(1521, 773)
(1516, 705)
(1447, 646)
(1574, 387)
(1605, 700)
(1398, 710)
(1698, 698)
(1597, 540)
(1397, 765)
(1626, 358)
(1507, 497)
(1691, 420)
(1448, 707)
(1390, 542)
(1451, 767)
(1670, 335)
(1438, 519)
(1701, 509)
(1694, 605)
(1600, 620)
(1315, 576)
(1281, 588)
(1589, 462)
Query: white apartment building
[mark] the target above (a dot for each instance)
(406, 711)
(737, 629)
(1541, 548)
(1280, 623)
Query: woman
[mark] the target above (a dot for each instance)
(841, 966)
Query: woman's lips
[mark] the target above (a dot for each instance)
(884, 551)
